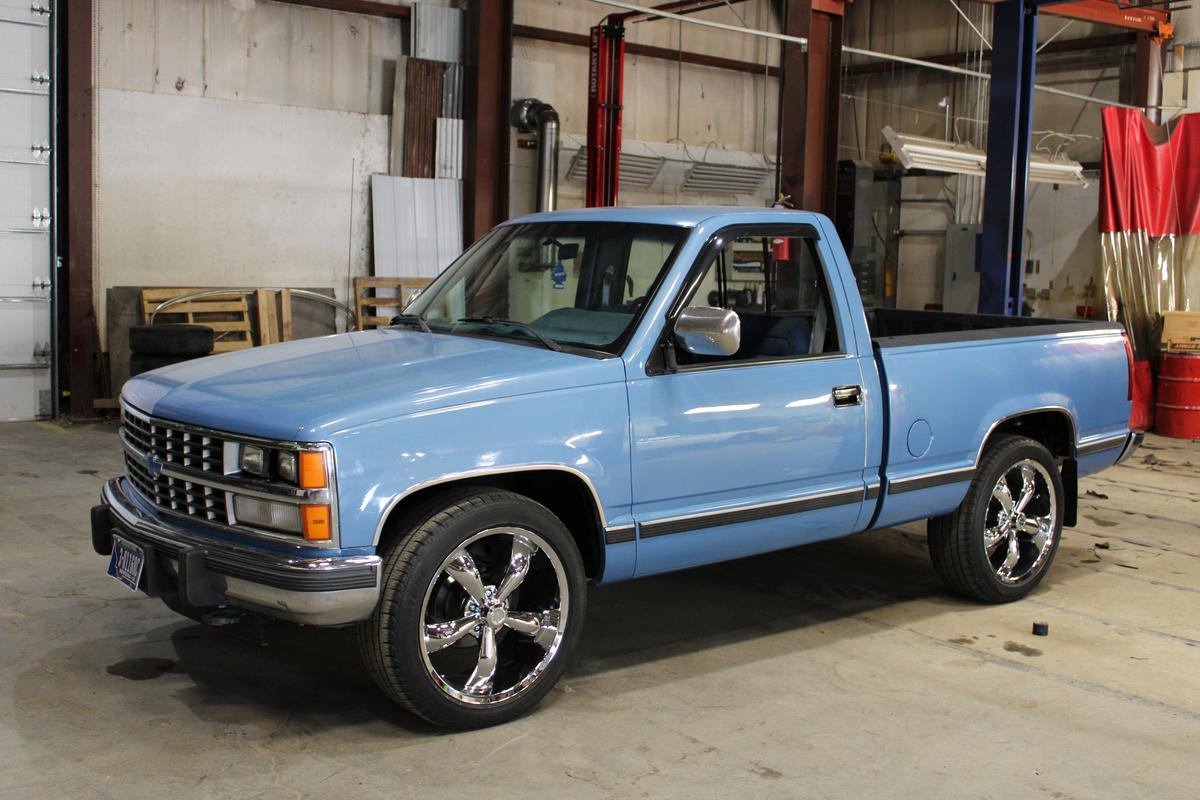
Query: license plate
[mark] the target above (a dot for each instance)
(127, 562)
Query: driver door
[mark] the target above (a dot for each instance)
(748, 453)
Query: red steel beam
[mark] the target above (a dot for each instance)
(368, 7)
(675, 7)
(1108, 12)
(649, 51)
(79, 104)
(865, 68)
(809, 101)
(1106, 41)
(487, 86)
(1147, 73)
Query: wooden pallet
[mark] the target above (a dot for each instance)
(372, 309)
(227, 314)
(274, 324)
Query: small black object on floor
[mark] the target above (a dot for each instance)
(1041, 629)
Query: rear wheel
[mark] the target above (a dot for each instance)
(999, 544)
(482, 603)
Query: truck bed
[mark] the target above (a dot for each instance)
(890, 324)
(947, 380)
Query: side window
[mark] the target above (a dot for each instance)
(646, 257)
(778, 287)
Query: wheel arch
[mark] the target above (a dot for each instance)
(566, 492)
(1053, 427)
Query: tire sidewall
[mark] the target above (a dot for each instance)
(177, 340)
(409, 599)
(1007, 456)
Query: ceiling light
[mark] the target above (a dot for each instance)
(938, 155)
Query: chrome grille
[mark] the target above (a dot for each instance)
(178, 495)
(172, 444)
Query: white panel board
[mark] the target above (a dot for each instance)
(195, 191)
(436, 32)
(448, 158)
(417, 225)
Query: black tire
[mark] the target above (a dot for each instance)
(957, 541)
(180, 341)
(414, 565)
(140, 362)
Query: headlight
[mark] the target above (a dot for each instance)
(285, 465)
(253, 460)
(303, 470)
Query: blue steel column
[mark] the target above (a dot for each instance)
(1010, 118)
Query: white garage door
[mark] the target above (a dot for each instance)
(26, 209)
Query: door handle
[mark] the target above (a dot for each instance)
(847, 395)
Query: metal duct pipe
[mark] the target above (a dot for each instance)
(529, 115)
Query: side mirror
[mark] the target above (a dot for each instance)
(708, 331)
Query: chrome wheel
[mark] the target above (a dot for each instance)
(493, 616)
(1019, 526)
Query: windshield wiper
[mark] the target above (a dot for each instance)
(532, 331)
(401, 319)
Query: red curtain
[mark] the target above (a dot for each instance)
(1150, 176)
(1149, 232)
(1149, 221)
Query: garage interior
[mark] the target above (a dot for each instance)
(267, 166)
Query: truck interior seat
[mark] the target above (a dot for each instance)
(774, 337)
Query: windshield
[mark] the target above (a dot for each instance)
(576, 284)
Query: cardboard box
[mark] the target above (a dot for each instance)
(1180, 332)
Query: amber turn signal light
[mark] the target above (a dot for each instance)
(312, 470)
(317, 525)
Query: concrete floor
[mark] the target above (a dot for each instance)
(834, 670)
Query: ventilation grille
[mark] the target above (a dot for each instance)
(637, 172)
(705, 178)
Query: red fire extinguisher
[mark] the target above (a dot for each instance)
(779, 249)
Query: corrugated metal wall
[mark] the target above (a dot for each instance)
(437, 32)
(422, 106)
(417, 225)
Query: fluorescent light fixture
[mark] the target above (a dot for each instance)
(938, 155)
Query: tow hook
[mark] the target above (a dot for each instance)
(220, 617)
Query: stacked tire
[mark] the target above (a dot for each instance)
(154, 346)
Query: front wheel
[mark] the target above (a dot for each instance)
(482, 604)
(999, 544)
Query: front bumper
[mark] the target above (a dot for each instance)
(204, 572)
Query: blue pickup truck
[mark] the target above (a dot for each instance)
(591, 396)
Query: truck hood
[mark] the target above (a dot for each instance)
(308, 390)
